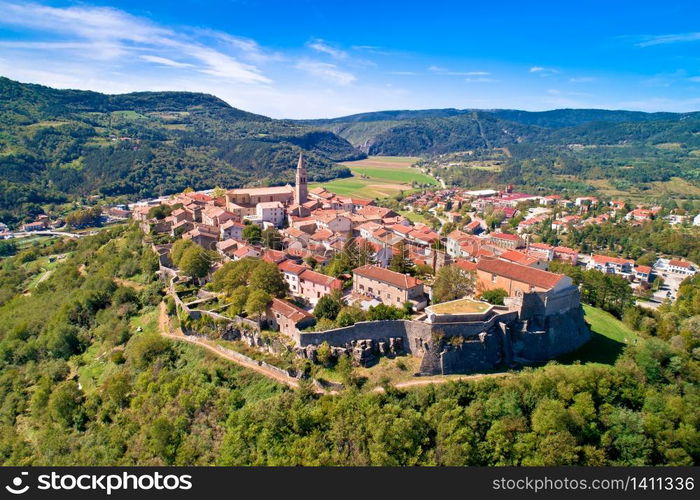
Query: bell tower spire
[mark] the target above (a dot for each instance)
(301, 192)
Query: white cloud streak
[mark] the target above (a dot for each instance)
(326, 71)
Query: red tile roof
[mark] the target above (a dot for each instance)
(289, 310)
(466, 265)
(289, 266)
(321, 279)
(504, 236)
(517, 257)
(605, 259)
(399, 280)
(520, 273)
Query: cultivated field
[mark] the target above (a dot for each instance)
(379, 177)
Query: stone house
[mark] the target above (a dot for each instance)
(288, 318)
(391, 288)
(516, 279)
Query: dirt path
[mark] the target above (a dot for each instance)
(164, 329)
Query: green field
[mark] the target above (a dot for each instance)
(609, 336)
(379, 177)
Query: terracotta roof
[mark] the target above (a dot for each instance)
(504, 236)
(290, 267)
(542, 246)
(321, 279)
(289, 310)
(565, 250)
(517, 257)
(399, 280)
(274, 256)
(327, 215)
(271, 190)
(679, 263)
(376, 212)
(466, 265)
(322, 235)
(643, 269)
(604, 259)
(517, 272)
(243, 251)
(458, 235)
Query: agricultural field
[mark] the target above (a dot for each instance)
(379, 177)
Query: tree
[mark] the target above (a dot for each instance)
(239, 297)
(268, 278)
(218, 192)
(329, 306)
(160, 212)
(399, 261)
(452, 283)
(178, 249)
(494, 296)
(271, 238)
(257, 303)
(252, 233)
(324, 354)
(66, 404)
(195, 262)
(350, 315)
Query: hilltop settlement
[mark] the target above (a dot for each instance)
(305, 271)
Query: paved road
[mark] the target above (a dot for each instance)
(23, 234)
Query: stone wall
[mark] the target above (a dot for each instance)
(558, 335)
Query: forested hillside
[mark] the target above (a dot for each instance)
(57, 143)
(440, 131)
(85, 378)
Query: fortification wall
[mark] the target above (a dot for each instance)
(561, 333)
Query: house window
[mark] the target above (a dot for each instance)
(493, 278)
(370, 290)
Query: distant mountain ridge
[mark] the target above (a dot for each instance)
(438, 131)
(59, 143)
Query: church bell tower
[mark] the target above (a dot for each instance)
(301, 193)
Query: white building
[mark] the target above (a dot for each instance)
(270, 211)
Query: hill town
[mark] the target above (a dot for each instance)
(470, 286)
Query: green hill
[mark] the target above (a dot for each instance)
(59, 143)
(438, 131)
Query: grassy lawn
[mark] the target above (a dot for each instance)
(378, 177)
(609, 336)
(413, 216)
(460, 306)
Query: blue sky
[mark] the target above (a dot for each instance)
(308, 59)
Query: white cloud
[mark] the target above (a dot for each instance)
(581, 79)
(323, 47)
(114, 34)
(542, 71)
(445, 71)
(165, 61)
(651, 40)
(480, 79)
(326, 71)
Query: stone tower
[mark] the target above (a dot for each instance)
(301, 193)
